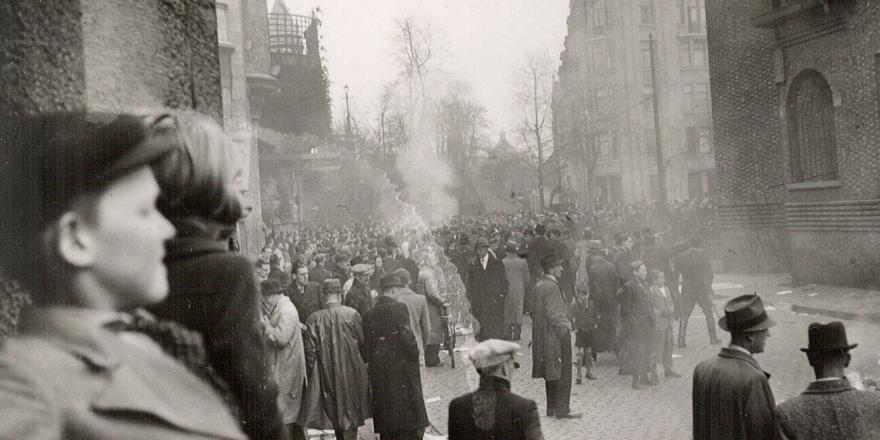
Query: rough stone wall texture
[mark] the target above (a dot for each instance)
(829, 234)
(41, 57)
(255, 36)
(148, 54)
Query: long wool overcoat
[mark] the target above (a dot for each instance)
(549, 330)
(732, 399)
(391, 351)
(486, 291)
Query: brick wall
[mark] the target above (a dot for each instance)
(827, 233)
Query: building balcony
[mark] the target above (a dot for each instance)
(771, 13)
(293, 34)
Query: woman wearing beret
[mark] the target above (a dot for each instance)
(213, 290)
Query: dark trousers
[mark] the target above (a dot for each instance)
(432, 355)
(403, 435)
(297, 432)
(559, 391)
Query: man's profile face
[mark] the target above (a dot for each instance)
(642, 272)
(128, 241)
(759, 339)
(556, 271)
(628, 243)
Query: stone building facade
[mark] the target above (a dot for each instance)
(604, 138)
(795, 110)
(125, 55)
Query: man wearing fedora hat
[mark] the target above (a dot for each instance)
(830, 407)
(551, 340)
(337, 396)
(486, 290)
(392, 353)
(732, 398)
(493, 412)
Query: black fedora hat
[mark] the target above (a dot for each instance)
(550, 261)
(745, 313)
(331, 285)
(827, 337)
(389, 281)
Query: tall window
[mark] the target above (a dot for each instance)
(646, 12)
(699, 140)
(696, 96)
(606, 146)
(647, 101)
(693, 54)
(692, 15)
(645, 54)
(598, 15)
(603, 99)
(812, 141)
(600, 52)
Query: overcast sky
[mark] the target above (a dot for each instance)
(485, 40)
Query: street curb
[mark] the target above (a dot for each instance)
(871, 318)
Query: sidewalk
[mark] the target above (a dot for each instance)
(828, 301)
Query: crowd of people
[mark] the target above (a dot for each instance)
(146, 323)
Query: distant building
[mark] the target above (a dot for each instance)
(795, 108)
(295, 121)
(603, 121)
(245, 84)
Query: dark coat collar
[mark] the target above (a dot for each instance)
(546, 277)
(738, 355)
(382, 299)
(191, 245)
(492, 383)
(829, 386)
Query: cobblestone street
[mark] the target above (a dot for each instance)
(612, 410)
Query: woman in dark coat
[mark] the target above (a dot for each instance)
(391, 351)
(213, 290)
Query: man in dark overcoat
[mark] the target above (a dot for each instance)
(303, 293)
(696, 288)
(830, 407)
(359, 296)
(551, 340)
(732, 397)
(486, 291)
(493, 412)
(392, 355)
(638, 325)
(538, 248)
(604, 282)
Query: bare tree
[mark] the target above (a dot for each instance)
(460, 127)
(418, 49)
(533, 90)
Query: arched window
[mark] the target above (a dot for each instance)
(811, 134)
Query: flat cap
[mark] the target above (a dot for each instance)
(492, 352)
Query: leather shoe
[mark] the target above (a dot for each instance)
(590, 376)
(672, 373)
(570, 416)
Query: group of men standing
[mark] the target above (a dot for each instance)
(733, 400)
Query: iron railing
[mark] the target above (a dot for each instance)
(293, 34)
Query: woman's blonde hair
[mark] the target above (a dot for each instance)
(197, 179)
